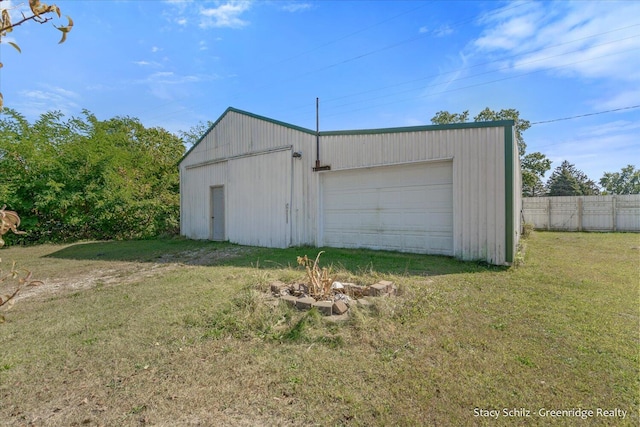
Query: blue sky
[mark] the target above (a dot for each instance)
(372, 64)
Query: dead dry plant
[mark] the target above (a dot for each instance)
(319, 280)
(15, 278)
(9, 220)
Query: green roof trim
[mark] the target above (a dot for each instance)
(508, 191)
(267, 119)
(467, 125)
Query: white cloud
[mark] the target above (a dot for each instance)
(34, 102)
(168, 85)
(586, 150)
(155, 49)
(176, 13)
(510, 33)
(52, 94)
(610, 128)
(226, 15)
(443, 30)
(584, 39)
(619, 100)
(296, 7)
(147, 64)
(210, 14)
(99, 87)
(596, 148)
(6, 40)
(441, 83)
(15, 11)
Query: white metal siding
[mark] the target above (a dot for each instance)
(237, 134)
(405, 208)
(479, 217)
(234, 137)
(258, 200)
(195, 185)
(239, 148)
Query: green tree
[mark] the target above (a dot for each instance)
(445, 117)
(520, 125)
(192, 136)
(627, 181)
(533, 165)
(84, 178)
(566, 180)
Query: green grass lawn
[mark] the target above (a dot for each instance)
(179, 332)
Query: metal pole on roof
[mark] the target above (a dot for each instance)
(317, 132)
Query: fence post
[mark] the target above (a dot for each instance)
(548, 213)
(579, 213)
(614, 214)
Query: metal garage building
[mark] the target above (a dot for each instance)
(445, 189)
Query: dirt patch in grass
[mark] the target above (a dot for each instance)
(87, 275)
(204, 256)
(114, 274)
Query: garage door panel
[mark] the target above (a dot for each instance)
(348, 221)
(406, 197)
(440, 221)
(438, 194)
(342, 200)
(406, 208)
(440, 245)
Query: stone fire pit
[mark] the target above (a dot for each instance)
(341, 297)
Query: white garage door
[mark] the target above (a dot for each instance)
(405, 208)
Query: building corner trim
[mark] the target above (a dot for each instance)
(508, 192)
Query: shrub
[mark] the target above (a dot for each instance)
(527, 229)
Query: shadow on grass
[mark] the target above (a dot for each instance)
(207, 253)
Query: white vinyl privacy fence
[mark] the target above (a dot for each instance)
(583, 213)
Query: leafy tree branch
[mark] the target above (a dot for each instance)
(40, 13)
(533, 165)
(627, 181)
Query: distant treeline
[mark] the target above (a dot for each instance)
(83, 178)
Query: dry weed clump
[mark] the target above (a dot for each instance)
(319, 280)
(15, 278)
